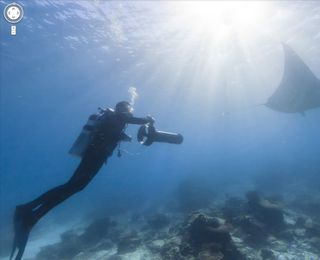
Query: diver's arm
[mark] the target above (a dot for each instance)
(140, 120)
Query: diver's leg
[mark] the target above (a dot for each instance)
(78, 181)
(85, 172)
(27, 215)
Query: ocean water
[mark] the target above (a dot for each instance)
(202, 69)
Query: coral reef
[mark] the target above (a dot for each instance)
(210, 234)
(265, 211)
(254, 228)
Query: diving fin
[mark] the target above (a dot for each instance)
(21, 232)
(20, 245)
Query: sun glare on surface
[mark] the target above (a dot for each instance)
(216, 43)
(243, 16)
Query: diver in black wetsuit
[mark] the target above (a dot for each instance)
(104, 141)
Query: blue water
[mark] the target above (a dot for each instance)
(68, 58)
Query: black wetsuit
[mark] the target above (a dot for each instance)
(103, 143)
(102, 146)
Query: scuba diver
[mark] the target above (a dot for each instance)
(99, 138)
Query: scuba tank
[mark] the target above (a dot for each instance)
(89, 129)
(147, 134)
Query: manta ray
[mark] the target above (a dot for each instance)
(299, 89)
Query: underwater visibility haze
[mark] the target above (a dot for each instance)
(239, 80)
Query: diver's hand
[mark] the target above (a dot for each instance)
(150, 119)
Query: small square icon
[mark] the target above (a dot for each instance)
(13, 30)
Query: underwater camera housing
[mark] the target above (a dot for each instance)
(147, 134)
